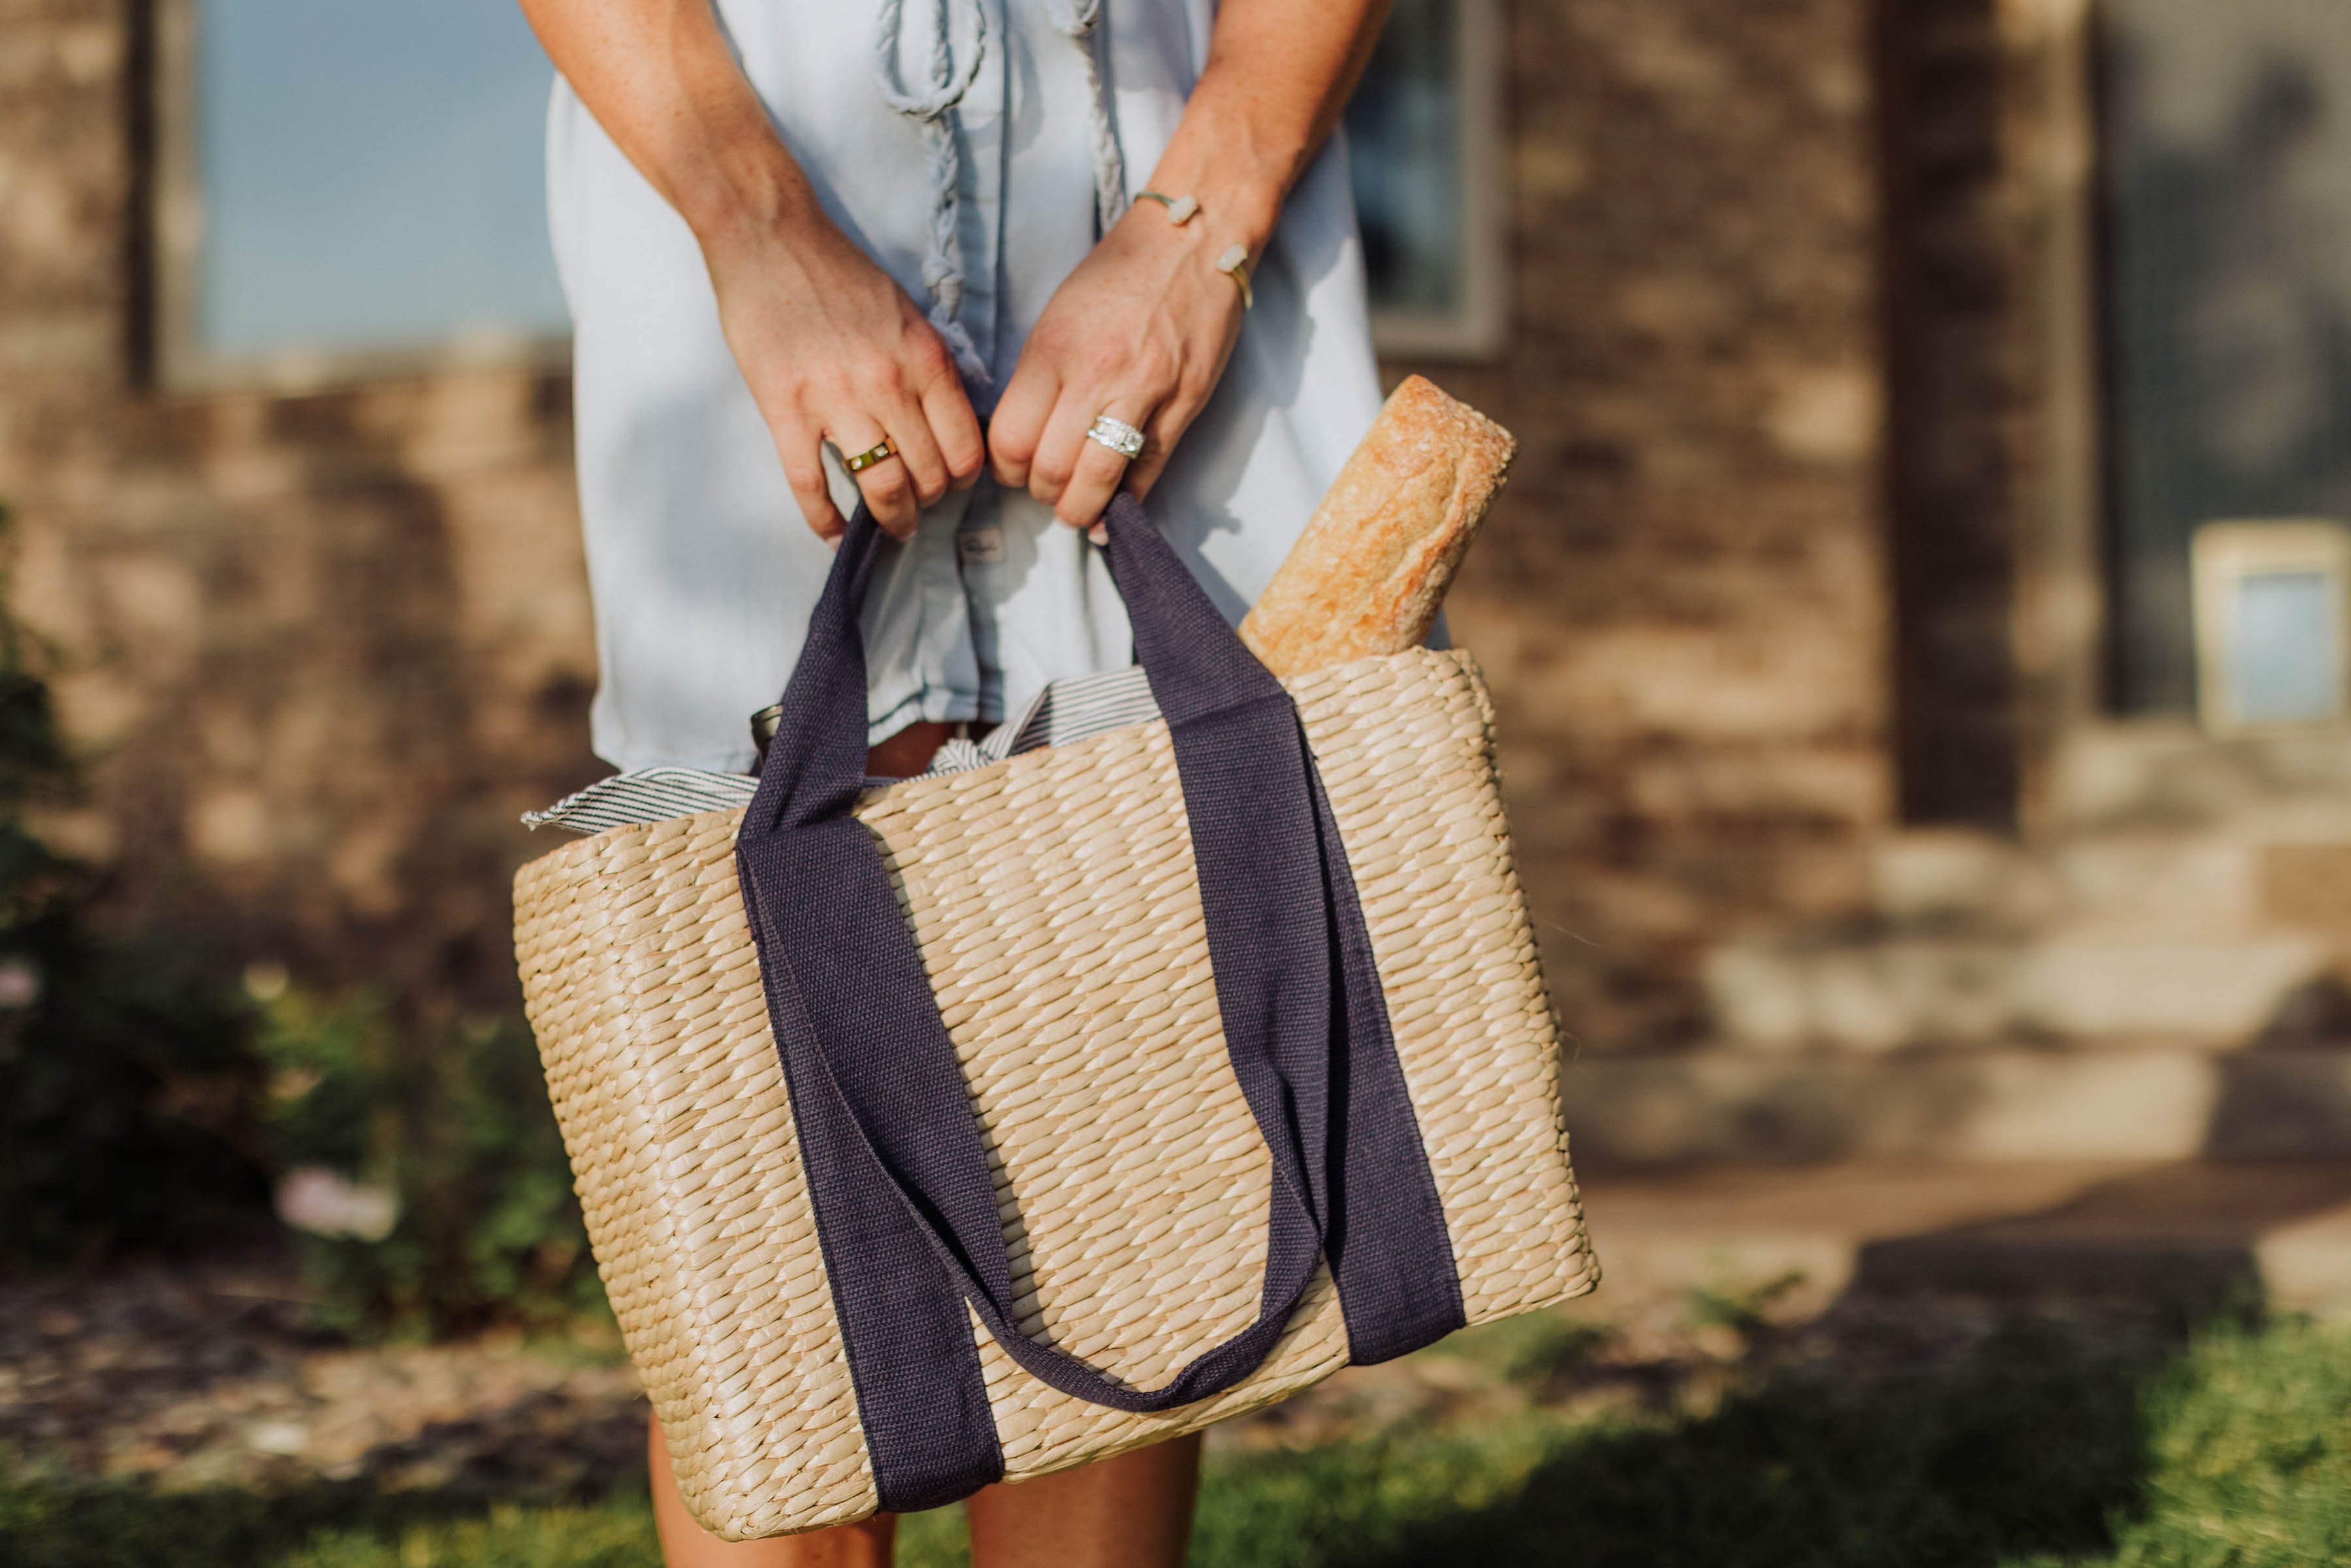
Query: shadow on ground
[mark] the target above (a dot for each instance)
(2032, 1446)
(2188, 1236)
(2035, 1447)
(119, 1526)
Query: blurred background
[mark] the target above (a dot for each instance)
(1920, 620)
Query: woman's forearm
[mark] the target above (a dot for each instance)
(660, 79)
(1277, 79)
(830, 347)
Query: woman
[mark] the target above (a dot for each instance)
(981, 264)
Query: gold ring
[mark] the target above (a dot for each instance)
(870, 456)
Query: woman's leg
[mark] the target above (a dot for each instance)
(1131, 1511)
(868, 1542)
(685, 1545)
(909, 751)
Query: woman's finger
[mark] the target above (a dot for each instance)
(910, 433)
(1059, 449)
(947, 409)
(888, 489)
(1161, 432)
(803, 459)
(1018, 425)
(1098, 472)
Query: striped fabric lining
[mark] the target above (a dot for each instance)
(1066, 710)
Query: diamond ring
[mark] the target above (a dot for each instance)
(1117, 434)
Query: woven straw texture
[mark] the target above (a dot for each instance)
(1054, 901)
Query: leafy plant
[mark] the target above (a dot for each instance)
(443, 1196)
(123, 1080)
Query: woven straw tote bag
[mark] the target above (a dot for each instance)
(987, 1123)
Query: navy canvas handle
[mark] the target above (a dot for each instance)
(904, 1202)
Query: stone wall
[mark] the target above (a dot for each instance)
(1680, 600)
(321, 650)
(318, 652)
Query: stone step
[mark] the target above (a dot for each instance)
(2008, 1103)
(2226, 883)
(1880, 993)
(2143, 772)
(2184, 1232)
(2199, 885)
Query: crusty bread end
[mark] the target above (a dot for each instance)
(1371, 570)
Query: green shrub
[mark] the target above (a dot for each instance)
(449, 1131)
(123, 1099)
(123, 1080)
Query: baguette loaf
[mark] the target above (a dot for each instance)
(1369, 572)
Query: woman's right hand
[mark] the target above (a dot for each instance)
(833, 349)
(830, 345)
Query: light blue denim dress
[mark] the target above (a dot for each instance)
(1042, 118)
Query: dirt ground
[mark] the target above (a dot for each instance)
(208, 1376)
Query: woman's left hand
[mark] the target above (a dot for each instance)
(1140, 331)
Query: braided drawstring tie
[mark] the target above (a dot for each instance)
(1077, 20)
(951, 71)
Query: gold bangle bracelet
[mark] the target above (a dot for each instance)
(1181, 210)
(1234, 264)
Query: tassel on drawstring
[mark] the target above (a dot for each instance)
(951, 75)
(1078, 21)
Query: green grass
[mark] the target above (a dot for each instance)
(2040, 1452)
(619, 1534)
(2248, 1461)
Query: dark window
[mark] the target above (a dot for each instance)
(1423, 137)
(2228, 159)
(1404, 130)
